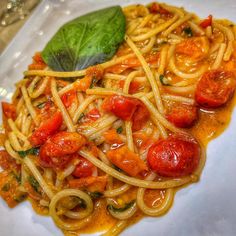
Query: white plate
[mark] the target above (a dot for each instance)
(207, 208)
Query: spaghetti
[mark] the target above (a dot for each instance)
(116, 142)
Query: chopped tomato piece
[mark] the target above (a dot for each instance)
(46, 129)
(91, 183)
(9, 110)
(38, 63)
(207, 22)
(58, 150)
(112, 137)
(93, 75)
(84, 169)
(9, 189)
(142, 140)
(215, 88)
(68, 98)
(156, 8)
(127, 160)
(7, 162)
(133, 62)
(134, 86)
(195, 48)
(175, 156)
(127, 109)
(182, 116)
(93, 114)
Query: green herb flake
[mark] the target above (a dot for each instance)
(121, 209)
(31, 151)
(188, 31)
(20, 198)
(82, 115)
(163, 80)
(41, 105)
(119, 130)
(94, 81)
(95, 195)
(6, 187)
(34, 183)
(16, 176)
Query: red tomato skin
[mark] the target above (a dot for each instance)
(183, 116)
(215, 88)
(68, 98)
(128, 109)
(207, 22)
(175, 156)
(59, 149)
(83, 169)
(9, 110)
(46, 129)
(93, 114)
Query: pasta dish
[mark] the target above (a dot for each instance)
(110, 121)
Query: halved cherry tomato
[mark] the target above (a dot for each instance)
(58, 150)
(127, 160)
(9, 110)
(84, 169)
(195, 48)
(46, 129)
(207, 22)
(182, 116)
(175, 156)
(68, 98)
(127, 109)
(215, 88)
(93, 114)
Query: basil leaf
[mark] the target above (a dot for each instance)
(116, 209)
(34, 183)
(31, 151)
(87, 40)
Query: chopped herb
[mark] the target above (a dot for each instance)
(34, 183)
(95, 195)
(82, 115)
(94, 81)
(6, 187)
(31, 151)
(117, 168)
(188, 31)
(119, 130)
(163, 80)
(16, 176)
(41, 105)
(81, 203)
(20, 197)
(116, 209)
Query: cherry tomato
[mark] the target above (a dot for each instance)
(68, 98)
(58, 150)
(84, 169)
(182, 116)
(9, 110)
(156, 8)
(46, 129)
(175, 156)
(127, 109)
(93, 114)
(215, 88)
(134, 87)
(207, 22)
